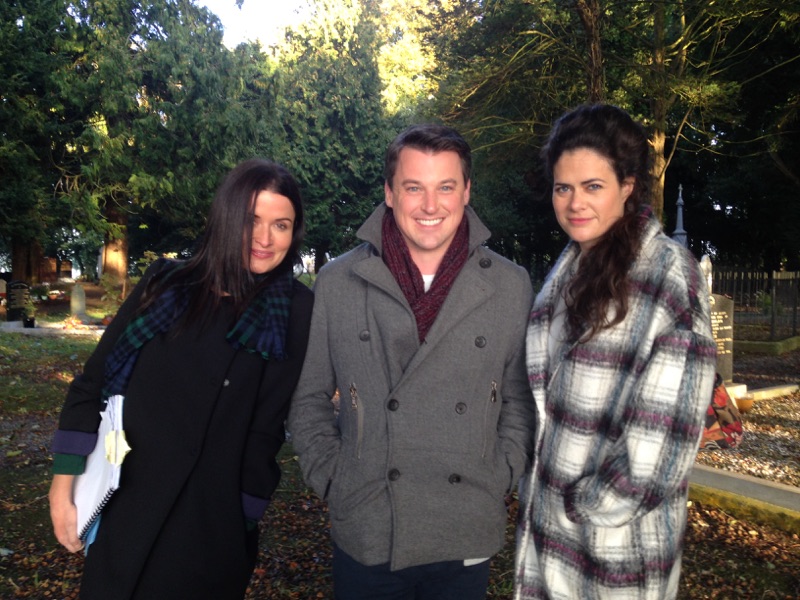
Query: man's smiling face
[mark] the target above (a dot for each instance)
(428, 195)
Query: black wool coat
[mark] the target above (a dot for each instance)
(205, 422)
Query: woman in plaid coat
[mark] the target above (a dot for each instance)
(621, 361)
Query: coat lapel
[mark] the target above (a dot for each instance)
(469, 292)
(375, 272)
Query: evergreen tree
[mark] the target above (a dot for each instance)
(168, 122)
(37, 123)
(333, 130)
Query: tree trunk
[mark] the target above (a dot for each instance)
(115, 258)
(115, 248)
(589, 13)
(659, 109)
(25, 260)
(320, 258)
(659, 170)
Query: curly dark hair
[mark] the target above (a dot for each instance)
(601, 282)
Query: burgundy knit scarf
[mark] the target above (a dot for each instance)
(425, 305)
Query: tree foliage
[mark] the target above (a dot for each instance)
(118, 118)
(740, 168)
(676, 66)
(406, 61)
(169, 117)
(37, 124)
(333, 133)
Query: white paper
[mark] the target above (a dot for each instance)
(100, 480)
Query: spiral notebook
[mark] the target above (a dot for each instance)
(94, 488)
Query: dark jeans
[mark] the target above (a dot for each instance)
(437, 581)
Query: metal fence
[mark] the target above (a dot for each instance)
(765, 304)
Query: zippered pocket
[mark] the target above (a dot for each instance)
(487, 421)
(355, 405)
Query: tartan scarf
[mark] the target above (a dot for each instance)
(425, 305)
(260, 330)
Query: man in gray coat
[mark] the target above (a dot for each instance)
(421, 329)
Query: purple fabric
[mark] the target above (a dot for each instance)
(74, 442)
(253, 506)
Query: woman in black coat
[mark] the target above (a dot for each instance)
(206, 353)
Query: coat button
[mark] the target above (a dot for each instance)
(393, 404)
(394, 475)
(364, 335)
(226, 383)
(461, 408)
(454, 478)
(480, 341)
(485, 263)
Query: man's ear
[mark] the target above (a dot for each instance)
(466, 191)
(387, 194)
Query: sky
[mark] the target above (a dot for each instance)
(263, 20)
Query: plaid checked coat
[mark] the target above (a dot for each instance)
(603, 512)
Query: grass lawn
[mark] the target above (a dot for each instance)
(724, 557)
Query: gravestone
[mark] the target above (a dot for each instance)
(19, 295)
(721, 324)
(77, 303)
(705, 267)
(722, 328)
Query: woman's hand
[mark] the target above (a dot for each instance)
(63, 513)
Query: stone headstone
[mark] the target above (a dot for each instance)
(19, 294)
(705, 267)
(77, 302)
(722, 328)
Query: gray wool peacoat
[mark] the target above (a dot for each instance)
(429, 437)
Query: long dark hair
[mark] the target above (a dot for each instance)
(220, 266)
(602, 280)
